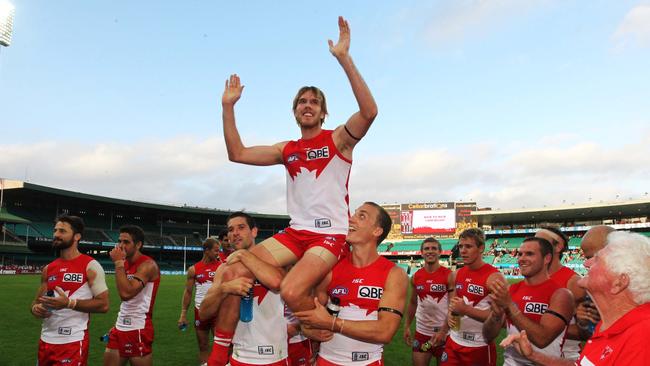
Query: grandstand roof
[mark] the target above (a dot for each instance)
(7, 217)
(595, 211)
(15, 184)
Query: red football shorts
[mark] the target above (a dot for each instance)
(299, 241)
(132, 343)
(456, 354)
(68, 354)
(421, 339)
(203, 324)
(300, 353)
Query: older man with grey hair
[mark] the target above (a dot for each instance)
(619, 283)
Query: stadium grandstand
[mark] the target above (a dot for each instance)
(505, 229)
(173, 233)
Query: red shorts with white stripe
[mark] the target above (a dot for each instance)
(300, 353)
(455, 354)
(67, 354)
(132, 343)
(299, 241)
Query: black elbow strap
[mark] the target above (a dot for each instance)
(139, 280)
(391, 310)
(350, 133)
(558, 315)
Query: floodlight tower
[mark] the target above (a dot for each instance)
(7, 11)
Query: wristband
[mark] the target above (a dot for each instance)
(72, 303)
(342, 324)
(333, 322)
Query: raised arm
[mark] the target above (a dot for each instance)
(347, 136)
(237, 152)
(129, 288)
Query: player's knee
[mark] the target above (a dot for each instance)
(291, 293)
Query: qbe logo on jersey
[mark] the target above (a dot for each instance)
(73, 277)
(322, 153)
(475, 289)
(370, 292)
(436, 287)
(535, 308)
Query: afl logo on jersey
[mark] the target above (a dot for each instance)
(535, 308)
(475, 289)
(292, 158)
(322, 153)
(339, 290)
(73, 277)
(370, 292)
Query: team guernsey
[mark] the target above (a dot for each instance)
(533, 302)
(67, 325)
(571, 349)
(317, 185)
(471, 286)
(137, 313)
(262, 341)
(624, 343)
(359, 291)
(203, 276)
(432, 294)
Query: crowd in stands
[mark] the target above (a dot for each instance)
(20, 269)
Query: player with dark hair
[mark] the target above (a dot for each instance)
(566, 277)
(72, 286)
(137, 278)
(371, 290)
(537, 304)
(200, 275)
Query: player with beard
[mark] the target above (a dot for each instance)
(537, 304)
(429, 302)
(137, 278)
(470, 305)
(72, 286)
(200, 275)
(318, 168)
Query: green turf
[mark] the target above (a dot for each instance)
(20, 330)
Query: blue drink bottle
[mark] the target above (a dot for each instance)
(246, 307)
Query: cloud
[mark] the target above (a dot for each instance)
(457, 20)
(552, 170)
(634, 30)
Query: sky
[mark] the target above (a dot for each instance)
(508, 103)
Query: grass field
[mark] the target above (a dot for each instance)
(20, 330)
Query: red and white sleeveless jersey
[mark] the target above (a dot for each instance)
(359, 290)
(572, 348)
(317, 185)
(138, 311)
(67, 325)
(432, 292)
(533, 302)
(471, 286)
(203, 276)
(263, 340)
